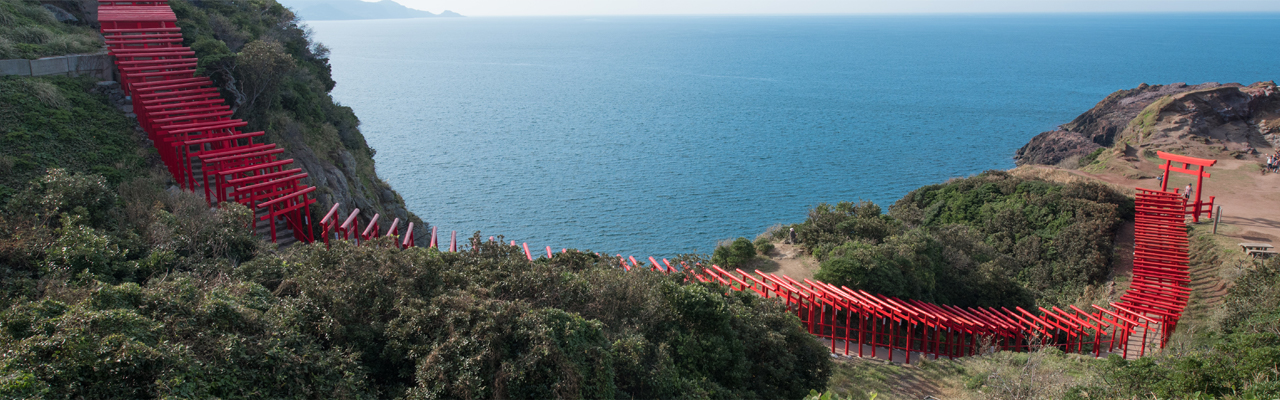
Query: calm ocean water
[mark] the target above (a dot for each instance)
(662, 135)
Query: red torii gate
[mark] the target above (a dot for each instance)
(1198, 206)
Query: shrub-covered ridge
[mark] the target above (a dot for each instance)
(989, 240)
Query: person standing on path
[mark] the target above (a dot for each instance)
(1186, 194)
(792, 238)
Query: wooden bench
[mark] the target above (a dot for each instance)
(1261, 253)
(1248, 247)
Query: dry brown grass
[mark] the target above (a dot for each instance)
(1044, 374)
(1061, 176)
(47, 93)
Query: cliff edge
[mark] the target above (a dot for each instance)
(278, 80)
(1209, 120)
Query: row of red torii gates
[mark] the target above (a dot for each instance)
(191, 127)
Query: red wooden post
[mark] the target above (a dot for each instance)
(1164, 183)
(394, 230)
(1199, 189)
(371, 230)
(408, 237)
(329, 221)
(350, 225)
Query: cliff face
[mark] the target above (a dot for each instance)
(278, 80)
(1205, 120)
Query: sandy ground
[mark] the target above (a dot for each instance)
(789, 260)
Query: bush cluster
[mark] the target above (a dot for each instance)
(738, 253)
(988, 240)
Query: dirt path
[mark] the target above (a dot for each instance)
(790, 260)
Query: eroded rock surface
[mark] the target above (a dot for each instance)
(1205, 120)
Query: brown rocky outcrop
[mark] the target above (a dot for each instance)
(1209, 120)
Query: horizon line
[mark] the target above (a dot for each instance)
(859, 14)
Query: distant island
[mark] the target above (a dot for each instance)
(337, 10)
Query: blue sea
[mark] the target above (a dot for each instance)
(662, 135)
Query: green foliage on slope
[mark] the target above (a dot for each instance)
(989, 240)
(132, 291)
(28, 30)
(58, 122)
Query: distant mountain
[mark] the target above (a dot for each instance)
(334, 10)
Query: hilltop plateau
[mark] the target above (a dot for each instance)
(1237, 125)
(1209, 120)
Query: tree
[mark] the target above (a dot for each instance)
(261, 64)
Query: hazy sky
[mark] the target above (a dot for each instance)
(703, 7)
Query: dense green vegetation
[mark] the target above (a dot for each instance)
(181, 300)
(28, 30)
(989, 240)
(378, 322)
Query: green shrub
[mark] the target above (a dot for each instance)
(181, 337)
(736, 254)
(75, 197)
(763, 245)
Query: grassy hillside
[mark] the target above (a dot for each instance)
(58, 122)
(28, 30)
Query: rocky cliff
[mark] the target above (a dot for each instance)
(278, 80)
(1207, 120)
